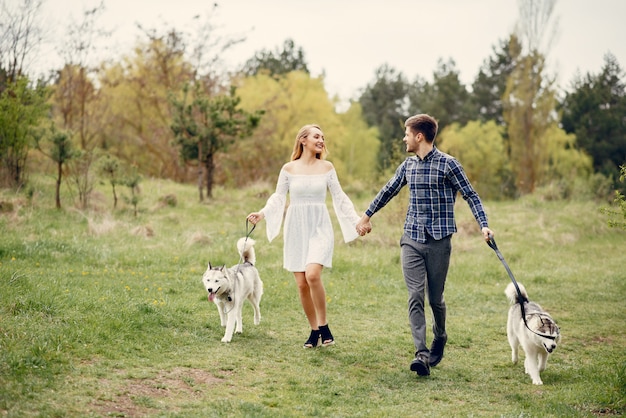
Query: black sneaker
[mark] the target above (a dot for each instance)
(436, 351)
(420, 364)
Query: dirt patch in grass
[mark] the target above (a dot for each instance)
(138, 397)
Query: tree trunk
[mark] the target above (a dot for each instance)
(58, 185)
(200, 191)
(209, 175)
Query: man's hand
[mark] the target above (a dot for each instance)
(487, 233)
(364, 226)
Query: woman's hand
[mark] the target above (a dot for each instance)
(255, 217)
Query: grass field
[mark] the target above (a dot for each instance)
(104, 314)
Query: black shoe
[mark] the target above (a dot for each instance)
(436, 351)
(314, 339)
(327, 336)
(420, 364)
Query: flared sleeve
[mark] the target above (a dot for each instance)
(346, 214)
(275, 207)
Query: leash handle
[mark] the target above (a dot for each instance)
(248, 233)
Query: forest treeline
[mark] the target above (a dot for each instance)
(168, 109)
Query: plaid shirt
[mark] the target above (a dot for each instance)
(433, 185)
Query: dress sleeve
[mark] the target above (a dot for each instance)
(346, 214)
(275, 207)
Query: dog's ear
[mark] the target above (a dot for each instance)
(222, 267)
(210, 266)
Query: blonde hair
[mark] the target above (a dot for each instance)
(298, 147)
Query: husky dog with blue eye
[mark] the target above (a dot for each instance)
(229, 288)
(538, 335)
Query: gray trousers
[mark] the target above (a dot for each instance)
(425, 267)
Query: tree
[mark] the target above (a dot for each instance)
(492, 180)
(490, 83)
(594, 111)
(204, 124)
(22, 105)
(446, 98)
(529, 99)
(385, 106)
(277, 63)
(354, 152)
(20, 36)
(75, 102)
(617, 216)
(21, 109)
(60, 150)
(289, 102)
(110, 167)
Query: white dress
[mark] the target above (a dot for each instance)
(308, 233)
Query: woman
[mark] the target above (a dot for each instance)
(308, 235)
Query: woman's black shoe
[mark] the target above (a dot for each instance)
(327, 336)
(314, 339)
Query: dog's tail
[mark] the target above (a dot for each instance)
(245, 246)
(511, 293)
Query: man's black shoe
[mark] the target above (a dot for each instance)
(420, 364)
(436, 351)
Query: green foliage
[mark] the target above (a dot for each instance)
(132, 180)
(110, 168)
(61, 150)
(22, 108)
(480, 148)
(98, 321)
(356, 148)
(528, 111)
(490, 83)
(594, 110)
(291, 101)
(446, 98)
(277, 63)
(617, 215)
(205, 124)
(384, 104)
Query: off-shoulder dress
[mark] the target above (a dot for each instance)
(308, 231)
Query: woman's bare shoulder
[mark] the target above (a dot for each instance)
(289, 167)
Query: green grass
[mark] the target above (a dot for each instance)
(104, 315)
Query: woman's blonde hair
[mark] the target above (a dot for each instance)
(298, 147)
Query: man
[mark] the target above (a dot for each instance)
(434, 178)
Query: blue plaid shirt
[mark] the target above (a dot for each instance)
(433, 185)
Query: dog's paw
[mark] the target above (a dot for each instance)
(226, 340)
(537, 382)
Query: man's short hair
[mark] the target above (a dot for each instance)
(423, 123)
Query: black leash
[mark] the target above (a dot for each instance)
(521, 299)
(248, 233)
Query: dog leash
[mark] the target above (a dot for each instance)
(248, 233)
(521, 299)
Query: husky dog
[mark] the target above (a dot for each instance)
(538, 335)
(228, 288)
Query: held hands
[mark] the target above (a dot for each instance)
(255, 217)
(364, 226)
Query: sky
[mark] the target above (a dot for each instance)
(347, 40)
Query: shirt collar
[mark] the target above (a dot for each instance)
(428, 156)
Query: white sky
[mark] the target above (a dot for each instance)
(349, 39)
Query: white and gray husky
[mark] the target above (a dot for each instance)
(228, 288)
(538, 339)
